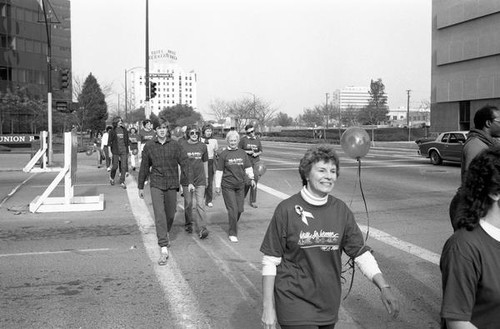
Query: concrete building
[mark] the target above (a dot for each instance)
(173, 86)
(465, 61)
(24, 49)
(354, 97)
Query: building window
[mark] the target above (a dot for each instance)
(464, 115)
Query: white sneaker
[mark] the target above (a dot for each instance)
(210, 205)
(233, 239)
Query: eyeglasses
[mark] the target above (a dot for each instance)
(250, 132)
(496, 119)
(191, 133)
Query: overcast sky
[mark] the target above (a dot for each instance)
(288, 52)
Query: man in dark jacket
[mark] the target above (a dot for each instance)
(482, 137)
(161, 158)
(118, 142)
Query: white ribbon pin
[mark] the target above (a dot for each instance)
(303, 214)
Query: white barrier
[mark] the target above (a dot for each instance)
(44, 203)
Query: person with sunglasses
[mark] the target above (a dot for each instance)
(253, 148)
(212, 146)
(194, 200)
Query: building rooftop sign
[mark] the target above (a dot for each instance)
(163, 55)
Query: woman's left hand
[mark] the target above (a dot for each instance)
(252, 182)
(391, 303)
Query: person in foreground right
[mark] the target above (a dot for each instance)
(301, 275)
(470, 261)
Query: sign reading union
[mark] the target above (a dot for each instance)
(16, 139)
(163, 54)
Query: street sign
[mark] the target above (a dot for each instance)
(62, 106)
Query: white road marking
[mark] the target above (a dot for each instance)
(177, 291)
(377, 234)
(14, 190)
(38, 253)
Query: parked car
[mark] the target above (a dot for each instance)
(446, 147)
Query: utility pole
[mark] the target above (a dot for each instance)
(408, 114)
(125, 95)
(146, 78)
(326, 115)
(48, 28)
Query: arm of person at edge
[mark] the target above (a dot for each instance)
(452, 324)
(268, 309)
(205, 169)
(143, 172)
(390, 302)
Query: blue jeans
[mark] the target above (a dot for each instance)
(234, 199)
(209, 189)
(194, 207)
(122, 160)
(164, 208)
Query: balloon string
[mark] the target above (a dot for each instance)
(364, 200)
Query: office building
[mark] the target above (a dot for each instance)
(354, 97)
(465, 72)
(24, 51)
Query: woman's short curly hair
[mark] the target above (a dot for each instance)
(316, 154)
(232, 133)
(482, 180)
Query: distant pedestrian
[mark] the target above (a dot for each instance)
(212, 146)
(194, 200)
(483, 136)
(134, 148)
(253, 147)
(161, 158)
(119, 143)
(233, 170)
(470, 260)
(146, 134)
(98, 148)
(105, 147)
(303, 245)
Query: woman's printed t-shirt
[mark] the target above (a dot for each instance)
(147, 135)
(197, 155)
(233, 164)
(310, 240)
(120, 135)
(134, 139)
(470, 267)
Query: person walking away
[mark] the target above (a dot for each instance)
(160, 161)
(212, 146)
(105, 147)
(470, 260)
(119, 143)
(233, 168)
(483, 136)
(303, 245)
(98, 148)
(194, 201)
(252, 146)
(133, 147)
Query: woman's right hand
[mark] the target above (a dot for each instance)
(217, 190)
(269, 318)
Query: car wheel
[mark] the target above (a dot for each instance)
(435, 158)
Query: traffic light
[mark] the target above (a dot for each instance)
(64, 79)
(152, 90)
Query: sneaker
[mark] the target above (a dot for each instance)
(210, 205)
(123, 186)
(112, 181)
(253, 205)
(203, 233)
(233, 239)
(189, 229)
(163, 256)
(108, 169)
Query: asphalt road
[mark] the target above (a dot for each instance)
(98, 269)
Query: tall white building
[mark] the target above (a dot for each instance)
(173, 86)
(356, 97)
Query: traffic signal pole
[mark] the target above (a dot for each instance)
(49, 85)
(147, 110)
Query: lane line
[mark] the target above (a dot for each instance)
(377, 234)
(38, 253)
(178, 293)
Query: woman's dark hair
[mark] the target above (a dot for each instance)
(316, 154)
(134, 129)
(205, 127)
(191, 128)
(481, 181)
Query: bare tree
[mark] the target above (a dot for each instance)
(220, 108)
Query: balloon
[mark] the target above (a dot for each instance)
(355, 142)
(261, 169)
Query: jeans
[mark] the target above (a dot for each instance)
(234, 199)
(209, 190)
(164, 208)
(253, 190)
(106, 154)
(122, 159)
(194, 207)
